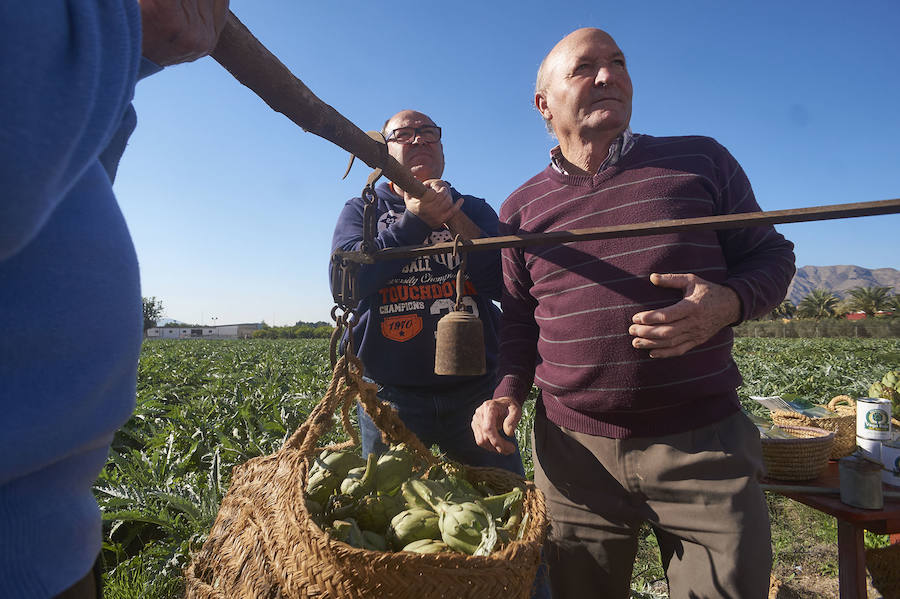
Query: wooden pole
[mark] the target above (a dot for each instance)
(251, 63)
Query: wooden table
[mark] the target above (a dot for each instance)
(851, 522)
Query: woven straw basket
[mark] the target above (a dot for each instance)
(264, 544)
(884, 566)
(843, 425)
(802, 458)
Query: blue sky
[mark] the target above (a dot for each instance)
(232, 206)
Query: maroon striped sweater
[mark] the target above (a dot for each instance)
(567, 308)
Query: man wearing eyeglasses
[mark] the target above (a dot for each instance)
(403, 300)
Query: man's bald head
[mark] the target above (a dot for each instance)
(582, 83)
(560, 47)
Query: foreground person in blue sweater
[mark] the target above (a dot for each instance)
(70, 300)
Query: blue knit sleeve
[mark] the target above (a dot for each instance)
(484, 267)
(68, 71)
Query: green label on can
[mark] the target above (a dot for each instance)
(877, 420)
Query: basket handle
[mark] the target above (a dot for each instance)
(841, 401)
(791, 418)
(320, 420)
(346, 387)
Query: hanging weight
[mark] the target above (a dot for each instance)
(460, 345)
(460, 335)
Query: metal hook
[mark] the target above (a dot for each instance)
(458, 242)
(379, 137)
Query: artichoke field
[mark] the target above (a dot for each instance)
(205, 406)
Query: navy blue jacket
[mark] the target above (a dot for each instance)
(402, 301)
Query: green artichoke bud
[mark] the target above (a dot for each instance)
(360, 481)
(349, 532)
(881, 390)
(411, 497)
(321, 484)
(467, 527)
(500, 506)
(374, 512)
(412, 525)
(339, 462)
(427, 546)
(460, 489)
(394, 467)
(340, 507)
(374, 541)
(892, 379)
(432, 492)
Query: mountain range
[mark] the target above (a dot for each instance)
(840, 279)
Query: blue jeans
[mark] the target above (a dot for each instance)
(442, 417)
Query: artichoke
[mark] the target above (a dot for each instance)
(374, 512)
(340, 507)
(347, 531)
(321, 484)
(883, 391)
(501, 506)
(374, 541)
(427, 546)
(393, 468)
(360, 481)
(412, 525)
(339, 462)
(892, 379)
(461, 489)
(467, 527)
(412, 498)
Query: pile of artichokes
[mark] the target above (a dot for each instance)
(888, 388)
(396, 502)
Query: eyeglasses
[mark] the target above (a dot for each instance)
(406, 135)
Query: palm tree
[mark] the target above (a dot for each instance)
(870, 299)
(785, 309)
(819, 304)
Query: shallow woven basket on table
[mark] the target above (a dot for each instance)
(843, 425)
(264, 544)
(801, 458)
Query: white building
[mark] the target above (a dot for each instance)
(224, 331)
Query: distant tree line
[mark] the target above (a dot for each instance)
(301, 330)
(824, 314)
(823, 304)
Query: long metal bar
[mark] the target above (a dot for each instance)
(251, 63)
(659, 227)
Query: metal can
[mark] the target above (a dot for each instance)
(871, 448)
(873, 418)
(890, 460)
(860, 483)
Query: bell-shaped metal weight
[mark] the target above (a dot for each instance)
(460, 345)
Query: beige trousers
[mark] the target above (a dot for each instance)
(699, 490)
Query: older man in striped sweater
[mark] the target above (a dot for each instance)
(630, 343)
